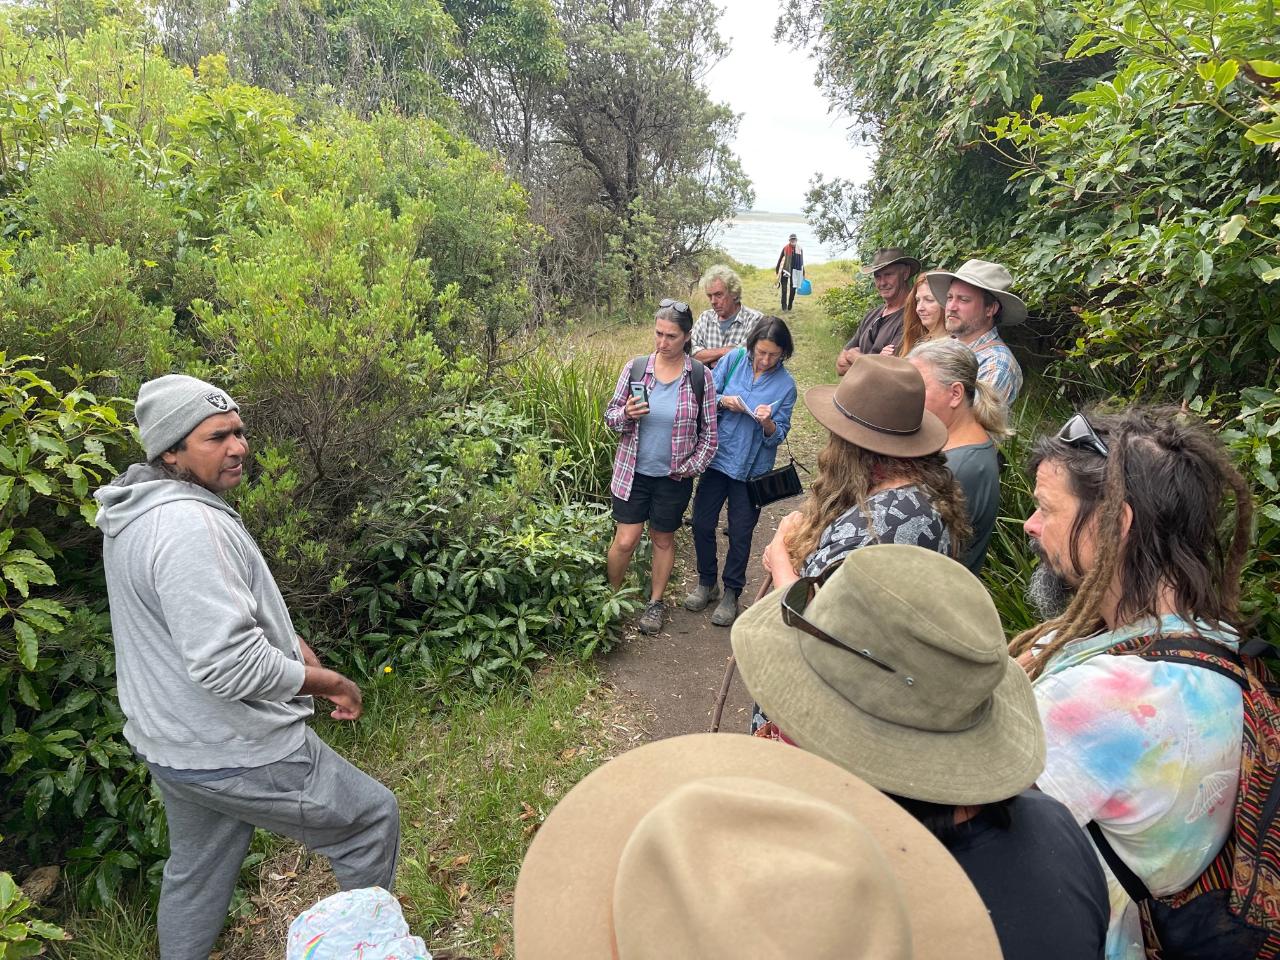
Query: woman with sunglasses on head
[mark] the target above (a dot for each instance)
(755, 393)
(664, 408)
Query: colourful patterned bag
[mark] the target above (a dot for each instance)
(1232, 910)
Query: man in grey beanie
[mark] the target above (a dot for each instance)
(215, 684)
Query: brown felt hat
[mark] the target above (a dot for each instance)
(879, 405)
(887, 257)
(922, 701)
(717, 847)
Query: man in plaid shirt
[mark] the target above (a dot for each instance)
(725, 326)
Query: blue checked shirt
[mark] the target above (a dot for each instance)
(997, 366)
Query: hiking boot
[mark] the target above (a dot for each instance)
(700, 596)
(651, 620)
(727, 611)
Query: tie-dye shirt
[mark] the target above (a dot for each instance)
(1151, 751)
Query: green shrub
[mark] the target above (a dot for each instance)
(72, 787)
(21, 935)
(483, 568)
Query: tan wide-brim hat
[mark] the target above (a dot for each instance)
(954, 721)
(879, 405)
(988, 276)
(887, 257)
(718, 847)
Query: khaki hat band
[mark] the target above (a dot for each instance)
(868, 424)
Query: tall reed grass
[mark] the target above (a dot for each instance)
(566, 395)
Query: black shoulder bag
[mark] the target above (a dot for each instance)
(777, 484)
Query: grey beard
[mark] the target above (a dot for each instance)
(1047, 591)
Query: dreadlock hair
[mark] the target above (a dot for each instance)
(1174, 474)
(846, 475)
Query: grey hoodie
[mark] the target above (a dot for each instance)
(207, 661)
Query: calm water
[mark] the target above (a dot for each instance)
(756, 238)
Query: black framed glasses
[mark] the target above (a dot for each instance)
(1078, 432)
(678, 305)
(794, 602)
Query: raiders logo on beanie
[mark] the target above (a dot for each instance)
(170, 407)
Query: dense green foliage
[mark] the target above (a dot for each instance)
(597, 106)
(1121, 159)
(352, 281)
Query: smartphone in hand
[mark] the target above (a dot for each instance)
(638, 392)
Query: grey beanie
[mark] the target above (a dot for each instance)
(170, 407)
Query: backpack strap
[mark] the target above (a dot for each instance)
(697, 379)
(1133, 886)
(1192, 651)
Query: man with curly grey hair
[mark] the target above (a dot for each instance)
(724, 327)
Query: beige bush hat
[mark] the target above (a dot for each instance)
(887, 257)
(953, 721)
(879, 405)
(991, 277)
(719, 847)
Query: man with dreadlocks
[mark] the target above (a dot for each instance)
(1126, 527)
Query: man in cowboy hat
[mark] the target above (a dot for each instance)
(976, 298)
(891, 269)
(718, 847)
(896, 669)
(215, 685)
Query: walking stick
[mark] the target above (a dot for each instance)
(732, 666)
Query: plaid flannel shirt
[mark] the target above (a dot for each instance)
(691, 448)
(997, 366)
(707, 334)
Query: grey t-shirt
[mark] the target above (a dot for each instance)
(977, 468)
(653, 456)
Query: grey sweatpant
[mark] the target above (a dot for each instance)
(313, 795)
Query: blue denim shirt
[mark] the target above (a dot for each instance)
(744, 450)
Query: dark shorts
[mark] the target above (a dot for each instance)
(659, 500)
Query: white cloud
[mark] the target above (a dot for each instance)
(786, 134)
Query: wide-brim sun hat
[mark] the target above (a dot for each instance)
(887, 257)
(712, 847)
(879, 405)
(953, 720)
(985, 275)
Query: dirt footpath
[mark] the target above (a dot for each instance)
(672, 678)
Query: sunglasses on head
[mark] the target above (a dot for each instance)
(1078, 432)
(678, 305)
(794, 602)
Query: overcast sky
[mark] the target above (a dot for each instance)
(785, 135)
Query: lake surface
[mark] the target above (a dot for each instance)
(756, 237)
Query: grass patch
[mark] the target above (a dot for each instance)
(474, 782)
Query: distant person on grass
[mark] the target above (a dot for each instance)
(755, 393)
(664, 408)
(891, 269)
(976, 299)
(723, 327)
(215, 684)
(790, 271)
